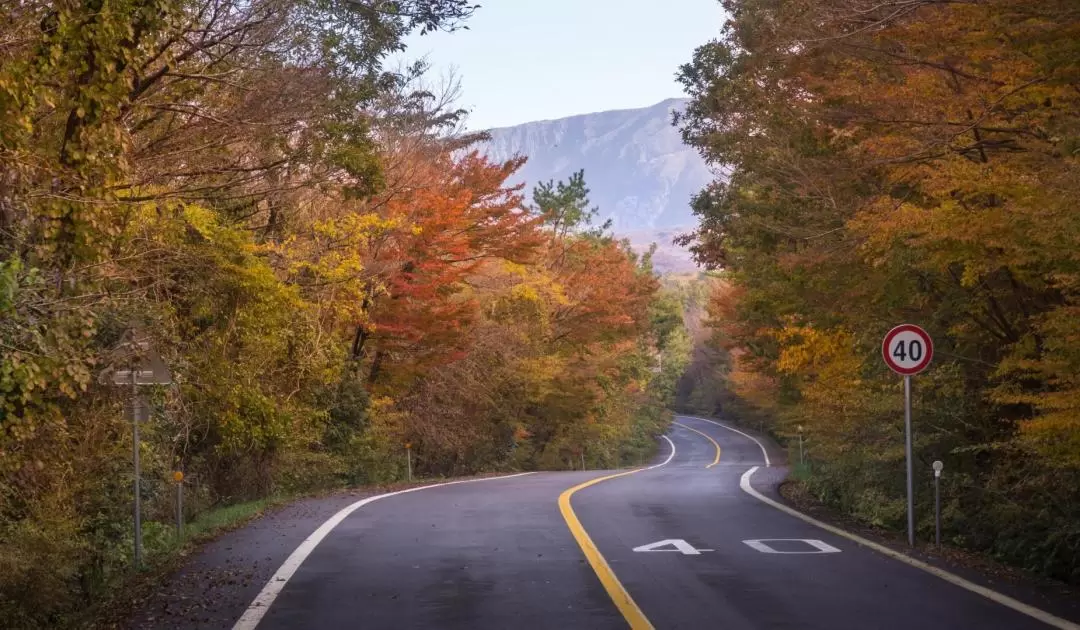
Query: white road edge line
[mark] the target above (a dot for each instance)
(994, 596)
(670, 455)
(258, 607)
(724, 426)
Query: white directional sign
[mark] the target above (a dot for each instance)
(672, 544)
(150, 369)
(136, 363)
(907, 349)
(803, 546)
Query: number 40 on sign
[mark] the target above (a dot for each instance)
(907, 349)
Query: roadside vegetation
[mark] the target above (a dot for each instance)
(328, 266)
(891, 162)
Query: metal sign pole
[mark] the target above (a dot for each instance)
(910, 464)
(180, 509)
(178, 477)
(802, 456)
(938, 467)
(144, 367)
(937, 510)
(136, 410)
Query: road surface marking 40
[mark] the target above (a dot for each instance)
(673, 544)
(812, 545)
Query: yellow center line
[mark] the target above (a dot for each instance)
(626, 604)
(707, 437)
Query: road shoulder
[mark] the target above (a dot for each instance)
(1051, 596)
(218, 580)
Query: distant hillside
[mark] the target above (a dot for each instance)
(640, 173)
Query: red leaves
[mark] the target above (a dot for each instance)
(456, 216)
(607, 295)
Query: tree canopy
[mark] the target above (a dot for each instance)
(327, 263)
(897, 162)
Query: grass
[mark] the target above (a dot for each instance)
(799, 471)
(217, 520)
(127, 592)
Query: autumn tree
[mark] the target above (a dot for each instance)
(553, 366)
(155, 156)
(320, 252)
(904, 161)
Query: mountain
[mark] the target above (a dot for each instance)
(638, 170)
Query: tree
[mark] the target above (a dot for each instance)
(443, 232)
(903, 161)
(178, 165)
(564, 207)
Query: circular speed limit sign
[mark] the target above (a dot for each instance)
(907, 349)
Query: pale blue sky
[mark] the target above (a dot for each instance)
(525, 60)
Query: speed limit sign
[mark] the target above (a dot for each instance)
(907, 349)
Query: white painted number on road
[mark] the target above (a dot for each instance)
(809, 545)
(675, 544)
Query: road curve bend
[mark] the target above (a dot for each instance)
(697, 540)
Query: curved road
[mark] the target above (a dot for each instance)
(503, 553)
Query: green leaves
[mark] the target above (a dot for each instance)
(564, 207)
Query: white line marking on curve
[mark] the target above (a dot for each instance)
(724, 426)
(994, 596)
(258, 607)
(670, 455)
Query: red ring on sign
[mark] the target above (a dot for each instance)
(925, 360)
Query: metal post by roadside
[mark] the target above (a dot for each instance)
(144, 367)
(802, 456)
(136, 412)
(910, 464)
(408, 460)
(938, 467)
(178, 477)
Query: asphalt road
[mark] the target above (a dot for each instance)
(503, 553)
